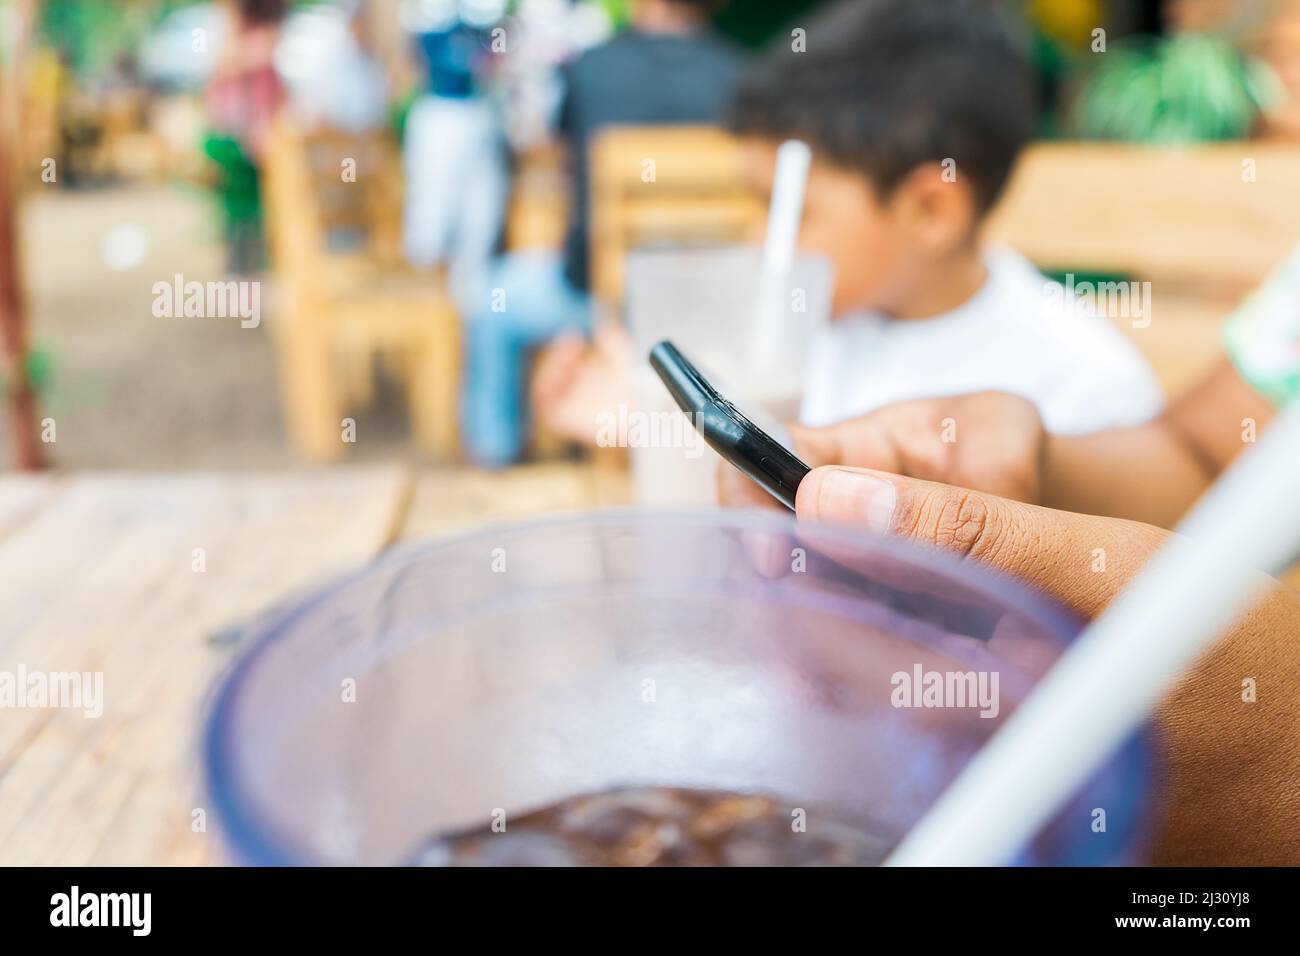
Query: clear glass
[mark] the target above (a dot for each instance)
(708, 302)
(517, 666)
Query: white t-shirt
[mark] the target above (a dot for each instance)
(1015, 335)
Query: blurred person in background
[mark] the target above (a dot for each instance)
(916, 114)
(332, 77)
(666, 67)
(242, 98)
(453, 152)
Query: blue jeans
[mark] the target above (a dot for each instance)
(526, 303)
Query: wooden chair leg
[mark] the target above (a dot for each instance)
(354, 366)
(433, 387)
(313, 409)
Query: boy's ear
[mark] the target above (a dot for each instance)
(936, 205)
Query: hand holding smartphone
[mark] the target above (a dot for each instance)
(728, 432)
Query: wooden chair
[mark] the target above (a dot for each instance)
(660, 186)
(664, 185)
(537, 212)
(1189, 214)
(340, 312)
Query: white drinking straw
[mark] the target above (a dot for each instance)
(793, 159)
(1103, 687)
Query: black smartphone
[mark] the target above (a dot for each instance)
(725, 429)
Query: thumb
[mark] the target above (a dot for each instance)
(1082, 560)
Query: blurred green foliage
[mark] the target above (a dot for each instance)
(93, 33)
(618, 11)
(1185, 88)
(39, 368)
(756, 22)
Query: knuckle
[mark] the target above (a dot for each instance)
(927, 457)
(955, 519)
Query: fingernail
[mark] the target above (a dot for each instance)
(856, 496)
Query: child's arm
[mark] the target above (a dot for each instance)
(1154, 472)
(1151, 473)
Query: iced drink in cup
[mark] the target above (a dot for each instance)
(633, 689)
(708, 301)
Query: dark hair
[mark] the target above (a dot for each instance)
(254, 12)
(888, 85)
(705, 7)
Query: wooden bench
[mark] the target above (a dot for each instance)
(1203, 224)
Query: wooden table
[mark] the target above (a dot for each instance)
(101, 572)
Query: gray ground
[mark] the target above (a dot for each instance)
(130, 390)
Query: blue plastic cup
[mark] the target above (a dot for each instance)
(515, 667)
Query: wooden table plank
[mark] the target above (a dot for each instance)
(102, 579)
(449, 499)
(23, 496)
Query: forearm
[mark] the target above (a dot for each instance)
(1231, 727)
(1154, 472)
(1147, 473)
